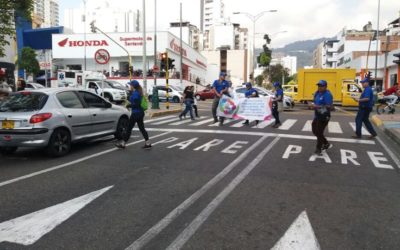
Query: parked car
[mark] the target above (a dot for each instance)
(288, 102)
(175, 93)
(111, 93)
(204, 94)
(33, 85)
(54, 118)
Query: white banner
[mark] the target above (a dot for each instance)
(245, 108)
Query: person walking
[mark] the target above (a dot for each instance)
(277, 104)
(322, 106)
(219, 87)
(196, 113)
(137, 116)
(250, 93)
(365, 105)
(188, 100)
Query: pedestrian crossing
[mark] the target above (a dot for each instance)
(334, 127)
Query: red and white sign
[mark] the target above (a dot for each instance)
(80, 43)
(102, 56)
(45, 65)
(156, 68)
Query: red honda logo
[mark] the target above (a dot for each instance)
(63, 42)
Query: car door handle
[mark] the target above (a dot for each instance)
(94, 114)
(69, 116)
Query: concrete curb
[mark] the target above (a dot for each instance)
(378, 122)
(393, 135)
(164, 112)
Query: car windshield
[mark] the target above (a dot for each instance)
(177, 88)
(115, 85)
(23, 102)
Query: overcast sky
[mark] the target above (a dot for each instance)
(302, 20)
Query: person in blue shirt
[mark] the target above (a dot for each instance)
(323, 104)
(365, 106)
(277, 103)
(250, 93)
(220, 87)
(137, 116)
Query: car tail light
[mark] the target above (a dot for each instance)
(40, 117)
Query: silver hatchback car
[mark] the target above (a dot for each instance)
(56, 118)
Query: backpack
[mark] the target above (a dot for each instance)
(144, 104)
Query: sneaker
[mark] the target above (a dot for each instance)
(318, 151)
(147, 146)
(372, 136)
(120, 144)
(192, 119)
(356, 136)
(180, 117)
(327, 146)
(257, 122)
(246, 123)
(276, 125)
(215, 120)
(221, 124)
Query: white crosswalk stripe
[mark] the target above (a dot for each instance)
(166, 121)
(181, 122)
(264, 124)
(202, 122)
(159, 119)
(334, 128)
(286, 125)
(238, 124)
(307, 127)
(225, 122)
(363, 130)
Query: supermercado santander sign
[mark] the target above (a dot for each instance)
(73, 46)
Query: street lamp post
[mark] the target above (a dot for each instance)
(254, 19)
(377, 40)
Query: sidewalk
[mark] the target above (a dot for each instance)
(390, 124)
(174, 108)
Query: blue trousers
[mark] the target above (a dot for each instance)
(188, 108)
(363, 117)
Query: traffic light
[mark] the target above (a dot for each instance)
(92, 27)
(171, 63)
(163, 62)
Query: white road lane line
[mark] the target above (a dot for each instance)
(159, 119)
(390, 152)
(334, 128)
(190, 230)
(4, 183)
(363, 130)
(181, 122)
(166, 121)
(264, 124)
(202, 122)
(286, 125)
(163, 223)
(231, 132)
(307, 126)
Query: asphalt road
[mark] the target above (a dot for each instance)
(207, 187)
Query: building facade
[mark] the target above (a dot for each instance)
(213, 11)
(118, 19)
(46, 13)
(190, 34)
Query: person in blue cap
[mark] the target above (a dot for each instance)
(219, 87)
(250, 93)
(137, 116)
(323, 104)
(277, 103)
(365, 106)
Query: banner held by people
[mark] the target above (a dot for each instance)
(245, 108)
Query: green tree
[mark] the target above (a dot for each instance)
(9, 10)
(264, 59)
(28, 61)
(276, 72)
(259, 80)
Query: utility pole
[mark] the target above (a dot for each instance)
(377, 40)
(84, 32)
(181, 49)
(154, 100)
(144, 49)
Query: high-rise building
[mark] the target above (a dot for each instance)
(213, 11)
(190, 33)
(46, 13)
(108, 17)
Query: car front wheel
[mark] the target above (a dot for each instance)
(60, 143)
(122, 128)
(175, 99)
